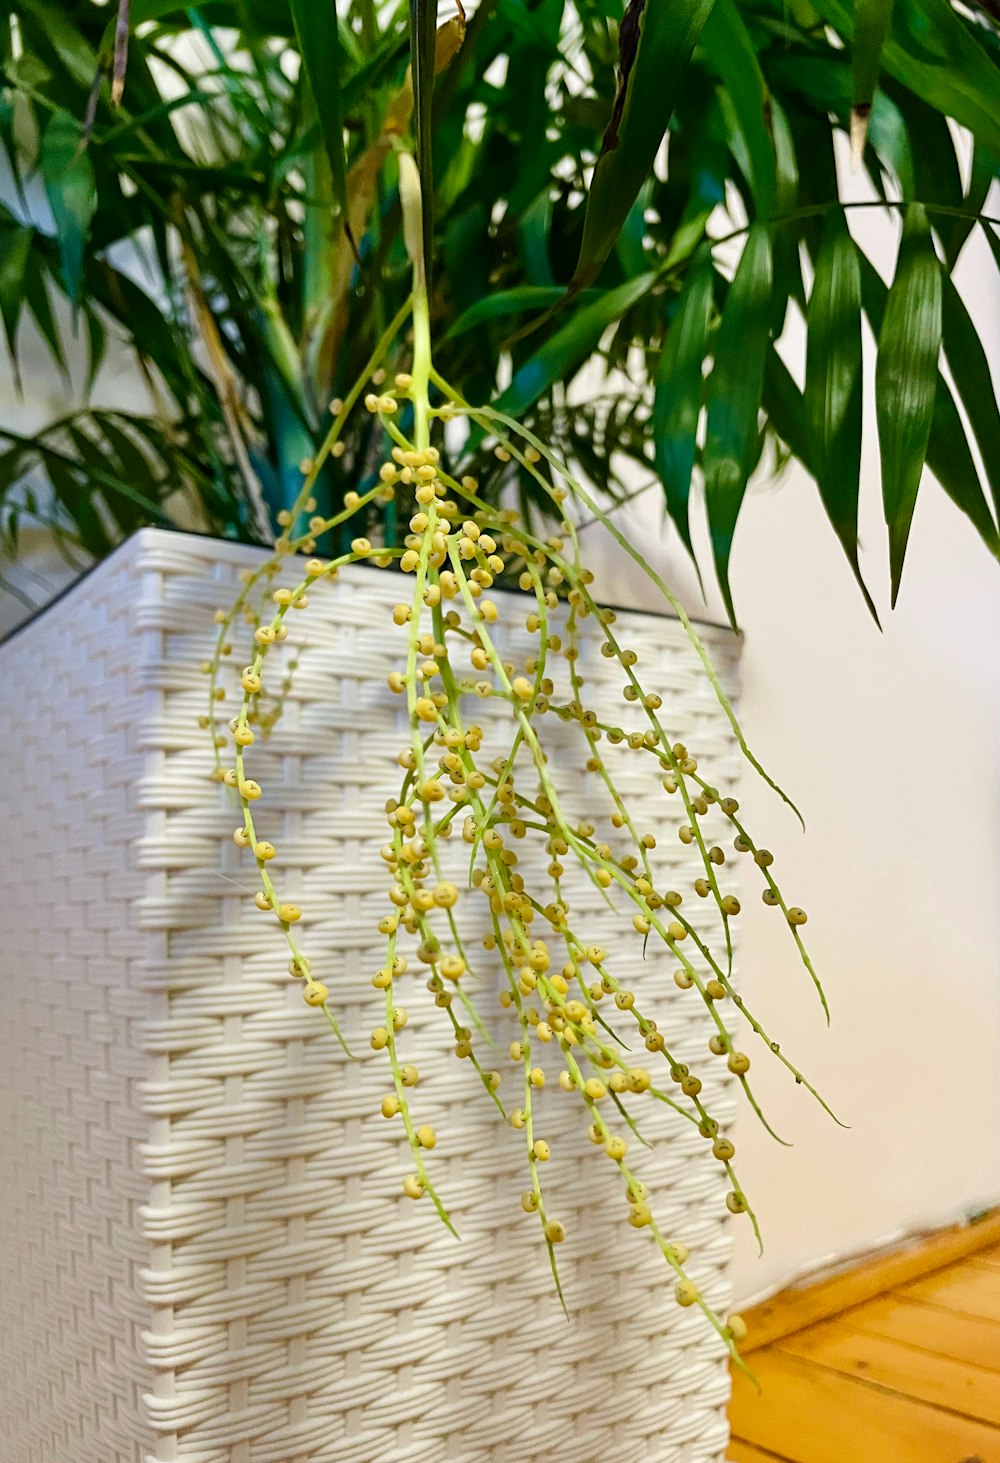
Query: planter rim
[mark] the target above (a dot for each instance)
(700, 621)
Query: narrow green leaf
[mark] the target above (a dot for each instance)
(786, 412)
(973, 380)
(948, 455)
(982, 175)
(906, 376)
(75, 497)
(833, 384)
(65, 38)
(785, 237)
(656, 39)
(677, 405)
(936, 174)
(891, 140)
(629, 246)
(97, 344)
(734, 396)
(813, 139)
(15, 247)
(69, 186)
(872, 19)
(130, 462)
(36, 298)
(533, 239)
(932, 50)
(423, 42)
(560, 356)
(993, 239)
(731, 51)
(150, 331)
(315, 24)
(951, 462)
(518, 301)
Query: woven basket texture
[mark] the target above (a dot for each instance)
(207, 1256)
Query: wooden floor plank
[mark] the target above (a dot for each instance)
(740, 1452)
(811, 1414)
(972, 1391)
(806, 1303)
(973, 1289)
(904, 1318)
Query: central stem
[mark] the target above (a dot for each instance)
(421, 357)
(411, 199)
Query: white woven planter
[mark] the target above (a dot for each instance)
(206, 1254)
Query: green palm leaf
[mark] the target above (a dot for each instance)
(677, 406)
(833, 384)
(319, 42)
(734, 397)
(906, 378)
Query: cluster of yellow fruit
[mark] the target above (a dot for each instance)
(456, 548)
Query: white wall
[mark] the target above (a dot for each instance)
(890, 744)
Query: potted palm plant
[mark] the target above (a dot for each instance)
(348, 261)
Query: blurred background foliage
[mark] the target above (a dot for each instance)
(199, 222)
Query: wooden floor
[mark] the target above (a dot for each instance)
(911, 1375)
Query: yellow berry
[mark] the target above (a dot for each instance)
(314, 993)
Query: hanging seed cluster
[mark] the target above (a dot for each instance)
(495, 792)
(455, 783)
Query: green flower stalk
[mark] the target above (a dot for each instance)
(457, 781)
